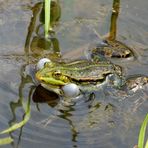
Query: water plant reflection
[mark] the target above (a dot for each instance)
(35, 40)
(41, 95)
(21, 103)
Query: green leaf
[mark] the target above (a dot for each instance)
(146, 145)
(7, 140)
(142, 133)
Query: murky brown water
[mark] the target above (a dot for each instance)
(101, 119)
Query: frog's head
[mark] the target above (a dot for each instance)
(50, 76)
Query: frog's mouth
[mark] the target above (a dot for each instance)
(54, 88)
(50, 83)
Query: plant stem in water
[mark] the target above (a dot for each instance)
(47, 16)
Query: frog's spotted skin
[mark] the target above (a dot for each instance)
(110, 49)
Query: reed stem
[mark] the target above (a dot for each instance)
(47, 16)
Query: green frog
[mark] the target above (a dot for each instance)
(110, 49)
(85, 74)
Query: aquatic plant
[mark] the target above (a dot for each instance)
(18, 125)
(51, 15)
(142, 133)
(47, 16)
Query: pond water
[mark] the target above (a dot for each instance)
(101, 119)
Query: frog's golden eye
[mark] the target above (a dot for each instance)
(56, 74)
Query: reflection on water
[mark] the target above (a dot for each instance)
(36, 43)
(107, 117)
(21, 103)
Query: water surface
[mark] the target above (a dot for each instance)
(99, 119)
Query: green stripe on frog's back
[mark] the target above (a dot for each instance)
(85, 64)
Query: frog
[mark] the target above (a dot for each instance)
(110, 49)
(87, 75)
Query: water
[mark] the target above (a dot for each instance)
(105, 118)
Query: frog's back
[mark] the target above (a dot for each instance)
(88, 71)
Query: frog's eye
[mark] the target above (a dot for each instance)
(59, 76)
(56, 74)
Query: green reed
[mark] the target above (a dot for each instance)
(47, 16)
(142, 134)
(7, 140)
